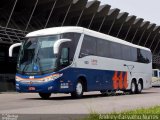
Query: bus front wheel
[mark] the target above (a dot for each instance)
(45, 95)
(78, 93)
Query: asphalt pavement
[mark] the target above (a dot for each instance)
(58, 104)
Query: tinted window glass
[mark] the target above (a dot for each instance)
(73, 36)
(148, 56)
(126, 53)
(73, 44)
(116, 50)
(88, 46)
(103, 48)
(64, 53)
(64, 61)
(133, 54)
(155, 74)
(143, 56)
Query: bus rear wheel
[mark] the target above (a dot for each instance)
(45, 95)
(139, 88)
(78, 93)
(133, 87)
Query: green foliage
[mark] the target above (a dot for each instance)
(143, 113)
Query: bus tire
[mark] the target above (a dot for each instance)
(139, 87)
(78, 93)
(45, 95)
(133, 87)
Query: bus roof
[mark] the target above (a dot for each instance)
(60, 30)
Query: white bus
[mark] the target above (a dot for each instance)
(76, 60)
(155, 77)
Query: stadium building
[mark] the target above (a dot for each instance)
(18, 17)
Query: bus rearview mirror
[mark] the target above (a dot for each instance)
(12, 47)
(58, 43)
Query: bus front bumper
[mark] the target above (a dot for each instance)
(45, 87)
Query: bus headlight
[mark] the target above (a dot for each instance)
(48, 79)
(52, 77)
(17, 79)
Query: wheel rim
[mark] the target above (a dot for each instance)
(139, 87)
(133, 87)
(79, 88)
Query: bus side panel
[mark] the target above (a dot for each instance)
(96, 80)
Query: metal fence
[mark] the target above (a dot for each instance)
(156, 59)
(10, 35)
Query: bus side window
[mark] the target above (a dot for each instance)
(64, 59)
(88, 46)
(155, 74)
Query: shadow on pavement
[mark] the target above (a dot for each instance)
(90, 96)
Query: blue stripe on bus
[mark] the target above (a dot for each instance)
(96, 80)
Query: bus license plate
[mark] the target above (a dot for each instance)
(32, 88)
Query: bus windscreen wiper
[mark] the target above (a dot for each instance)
(37, 59)
(26, 66)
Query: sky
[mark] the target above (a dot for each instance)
(149, 10)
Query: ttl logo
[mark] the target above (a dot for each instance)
(120, 80)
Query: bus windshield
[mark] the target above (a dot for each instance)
(37, 55)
